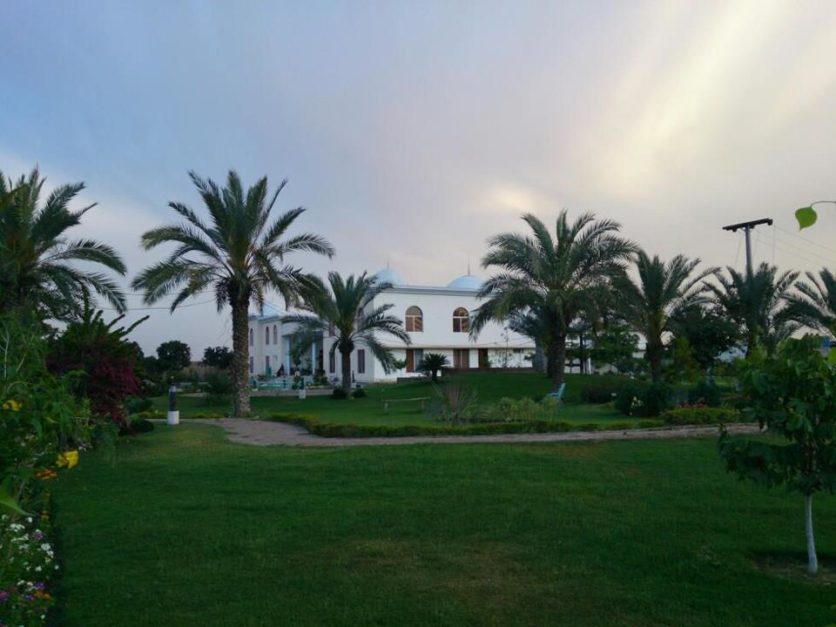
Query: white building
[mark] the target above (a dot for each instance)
(436, 318)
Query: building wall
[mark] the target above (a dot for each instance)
(437, 305)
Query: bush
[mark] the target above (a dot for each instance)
(602, 392)
(339, 394)
(643, 399)
(137, 405)
(136, 425)
(700, 415)
(517, 410)
(218, 388)
(705, 392)
(454, 403)
(359, 393)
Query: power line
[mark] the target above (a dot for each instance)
(160, 308)
(807, 251)
(808, 240)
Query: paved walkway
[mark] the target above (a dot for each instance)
(264, 433)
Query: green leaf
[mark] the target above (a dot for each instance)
(7, 502)
(806, 216)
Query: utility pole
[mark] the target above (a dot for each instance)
(747, 229)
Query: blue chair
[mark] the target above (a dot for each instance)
(558, 393)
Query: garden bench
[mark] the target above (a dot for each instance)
(419, 399)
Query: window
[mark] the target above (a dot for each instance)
(267, 364)
(332, 362)
(275, 335)
(461, 358)
(251, 359)
(361, 361)
(267, 335)
(251, 337)
(414, 320)
(332, 330)
(461, 321)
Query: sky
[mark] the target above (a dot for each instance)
(413, 131)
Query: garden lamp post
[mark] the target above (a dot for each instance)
(807, 216)
(173, 417)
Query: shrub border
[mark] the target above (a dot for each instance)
(316, 426)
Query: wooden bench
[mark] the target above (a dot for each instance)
(420, 399)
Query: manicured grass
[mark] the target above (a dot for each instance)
(489, 387)
(185, 529)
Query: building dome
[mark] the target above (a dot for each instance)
(466, 282)
(387, 275)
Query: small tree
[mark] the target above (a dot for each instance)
(173, 356)
(219, 357)
(432, 364)
(793, 395)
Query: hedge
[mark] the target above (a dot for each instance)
(701, 415)
(337, 430)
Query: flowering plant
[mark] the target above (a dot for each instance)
(26, 567)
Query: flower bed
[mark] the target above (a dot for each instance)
(28, 567)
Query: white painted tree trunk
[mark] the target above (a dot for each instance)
(812, 560)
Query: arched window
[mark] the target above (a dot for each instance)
(251, 337)
(414, 319)
(275, 335)
(461, 320)
(267, 335)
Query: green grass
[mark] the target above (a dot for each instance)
(489, 387)
(186, 528)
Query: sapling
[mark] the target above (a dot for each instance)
(793, 395)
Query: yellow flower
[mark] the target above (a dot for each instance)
(12, 405)
(68, 459)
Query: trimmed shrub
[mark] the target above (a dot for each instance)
(359, 393)
(701, 415)
(218, 389)
(339, 394)
(643, 399)
(332, 430)
(602, 392)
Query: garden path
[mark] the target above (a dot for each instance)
(264, 433)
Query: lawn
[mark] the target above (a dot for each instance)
(489, 387)
(184, 528)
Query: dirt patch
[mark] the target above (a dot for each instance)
(794, 566)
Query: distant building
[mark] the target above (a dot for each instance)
(436, 318)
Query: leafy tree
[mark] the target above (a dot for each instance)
(708, 331)
(615, 346)
(757, 302)
(173, 356)
(37, 259)
(347, 308)
(551, 277)
(219, 357)
(794, 396)
(102, 358)
(239, 254)
(649, 304)
(432, 364)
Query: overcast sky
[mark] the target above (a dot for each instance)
(412, 131)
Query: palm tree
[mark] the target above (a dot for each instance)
(662, 290)
(239, 255)
(432, 364)
(758, 302)
(346, 311)
(36, 257)
(815, 305)
(551, 277)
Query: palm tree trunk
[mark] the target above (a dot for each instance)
(240, 361)
(654, 353)
(559, 360)
(346, 368)
(812, 560)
